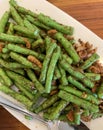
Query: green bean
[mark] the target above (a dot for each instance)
(6, 79)
(48, 42)
(26, 93)
(46, 63)
(28, 24)
(16, 16)
(78, 85)
(68, 108)
(97, 115)
(57, 73)
(31, 26)
(28, 33)
(16, 96)
(93, 76)
(11, 29)
(86, 113)
(80, 102)
(11, 38)
(53, 24)
(20, 79)
(67, 58)
(2, 81)
(100, 91)
(80, 94)
(51, 68)
(5, 56)
(11, 65)
(94, 57)
(37, 22)
(37, 43)
(36, 97)
(22, 60)
(72, 41)
(32, 76)
(77, 117)
(47, 103)
(57, 111)
(13, 3)
(22, 9)
(25, 51)
(3, 21)
(46, 115)
(50, 110)
(63, 78)
(80, 76)
(5, 49)
(18, 71)
(63, 118)
(68, 47)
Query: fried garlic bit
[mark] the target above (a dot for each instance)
(84, 49)
(28, 45)
(1, 46)
(52, 31)
(70, 115)
(97, 68)
(34, 60)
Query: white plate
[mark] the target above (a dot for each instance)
(80, 32)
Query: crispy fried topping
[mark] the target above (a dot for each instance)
(35, 61)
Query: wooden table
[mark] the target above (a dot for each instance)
(89, 13)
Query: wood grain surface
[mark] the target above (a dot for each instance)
(89, 13)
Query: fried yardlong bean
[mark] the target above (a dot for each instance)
(77, 117)
(20, 79)
(57, 110)
(27, 32)
(100, 91)
(11, 29)
(57, 73)
(37, 43)
(16, 16)
(80, 76)
(80, 102)
(3, 21)
(11, 38)
(25, 51)
(49, 76)
(5, 56)
(5, 77)
(80, 94)
(24, 61)
(78, 85)
(18, 71)
(63, 78)
(17, 96)
(53, 24)
(48, 41)
(11, 65)
(67, 58)
(94, 57)
(37, 22)
(47, 103)
(37, 84)
(22, 9)
(93, 76)
(46, 62)
(26, 92)
(67, 46)
(5, 50)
